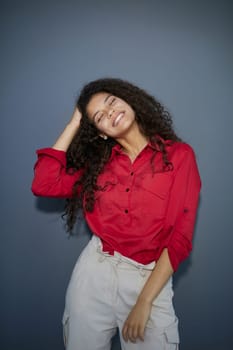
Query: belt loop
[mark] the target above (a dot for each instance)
(101, 258)
(98, 249)
(142, 271)
(119, 260)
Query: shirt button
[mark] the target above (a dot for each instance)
(126, 211)
(127, 190)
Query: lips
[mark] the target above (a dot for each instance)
(117, 118)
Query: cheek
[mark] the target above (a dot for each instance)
(130, 111)
(105, 125)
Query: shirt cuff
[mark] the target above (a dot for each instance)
(177, 254)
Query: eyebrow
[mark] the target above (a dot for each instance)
(105, 100)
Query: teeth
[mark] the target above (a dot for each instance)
(118, 118)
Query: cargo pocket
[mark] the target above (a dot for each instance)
(65, 323)
(172, 337)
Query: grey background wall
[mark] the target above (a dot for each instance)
(180, 51)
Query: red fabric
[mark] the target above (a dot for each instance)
(138, 214)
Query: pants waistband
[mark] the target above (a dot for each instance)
(119, 259)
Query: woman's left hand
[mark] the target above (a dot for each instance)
(135, 324)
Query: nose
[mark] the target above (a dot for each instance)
(110, 113)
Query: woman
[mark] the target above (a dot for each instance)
(120, 160)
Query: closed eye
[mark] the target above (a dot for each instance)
(99, 117)
(112, 101)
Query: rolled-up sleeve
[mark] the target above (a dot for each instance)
(50, 176)
(182, 208)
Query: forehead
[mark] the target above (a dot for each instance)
(96, 101)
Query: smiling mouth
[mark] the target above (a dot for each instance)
(118, 118)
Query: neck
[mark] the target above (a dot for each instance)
(133, 143)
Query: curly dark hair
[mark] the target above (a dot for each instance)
(90, 152)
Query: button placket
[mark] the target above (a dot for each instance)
(128, 189)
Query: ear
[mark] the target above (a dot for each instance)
(105, 137)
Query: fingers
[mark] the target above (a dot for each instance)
(141, 331)
(132, 332)
(76, 116)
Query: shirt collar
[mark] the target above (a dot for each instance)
(117, 149)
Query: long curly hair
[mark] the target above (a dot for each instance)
(90, 152)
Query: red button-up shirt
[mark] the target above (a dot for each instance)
(139, 213)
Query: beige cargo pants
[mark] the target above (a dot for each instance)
(102, 291)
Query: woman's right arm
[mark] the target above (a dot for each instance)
(50, 176)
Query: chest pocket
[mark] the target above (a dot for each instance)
(156, 191)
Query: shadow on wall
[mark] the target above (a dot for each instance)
(50, 205)
(57, 206)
